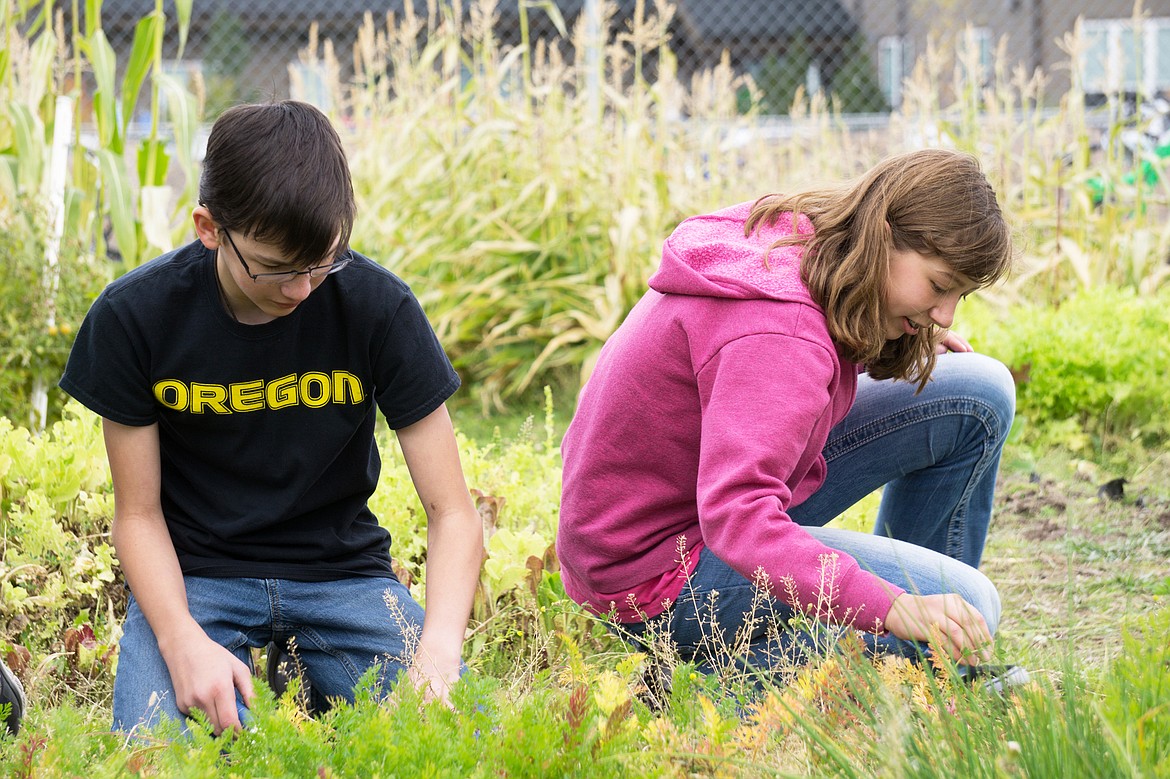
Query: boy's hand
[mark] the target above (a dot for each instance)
(454, 550)
(206, 676)
(433, 678)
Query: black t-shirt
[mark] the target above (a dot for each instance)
(266, 431)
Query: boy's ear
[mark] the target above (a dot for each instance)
(205, 227)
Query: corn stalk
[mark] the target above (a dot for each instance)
(123, 180)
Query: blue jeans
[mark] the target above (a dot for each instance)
(936, 454)
(341, 629)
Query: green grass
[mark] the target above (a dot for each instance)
(1084, 590)
(519, 420)
(527, 261)
(1074, 568)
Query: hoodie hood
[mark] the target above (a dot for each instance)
(709, 256)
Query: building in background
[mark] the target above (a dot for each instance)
(1114, 58)
(860, 51)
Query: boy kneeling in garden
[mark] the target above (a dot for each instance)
(237, 378)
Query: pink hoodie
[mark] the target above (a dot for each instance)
(703, 421)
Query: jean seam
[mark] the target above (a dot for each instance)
(312, 635)
(958, 524)
(910, 416)
(275, 616)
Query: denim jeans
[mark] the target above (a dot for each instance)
(340, 628)
(935, 453)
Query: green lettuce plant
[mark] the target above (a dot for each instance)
(1092, 374)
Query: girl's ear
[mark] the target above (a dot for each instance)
(205, 227)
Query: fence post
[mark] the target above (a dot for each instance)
(594, 48)
(58, 167)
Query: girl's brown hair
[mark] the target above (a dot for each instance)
(935, 202)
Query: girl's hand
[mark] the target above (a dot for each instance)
(952, 343)
(946, 621)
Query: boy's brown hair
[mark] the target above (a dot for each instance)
(276, 172)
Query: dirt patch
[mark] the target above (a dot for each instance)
(1035, 496)
(1045, 531)
(1074, 568)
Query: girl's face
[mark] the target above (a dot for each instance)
(921, 290)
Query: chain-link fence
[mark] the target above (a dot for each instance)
(858, 51)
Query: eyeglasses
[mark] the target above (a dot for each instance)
(282, 277)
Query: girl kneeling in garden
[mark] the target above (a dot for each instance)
(784, 364)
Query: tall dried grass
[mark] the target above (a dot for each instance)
(524, 192)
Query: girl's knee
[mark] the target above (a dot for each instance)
(978, 590)
(987, 381)
(1000, 390)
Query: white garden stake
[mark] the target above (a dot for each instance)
(58, 167)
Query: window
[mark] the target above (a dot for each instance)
(894, 54)
(309, 83)
(183, 74)
(1160, 55)
(812, 79)
(1121, 58)
(976, 47)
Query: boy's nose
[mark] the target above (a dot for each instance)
(298, 288)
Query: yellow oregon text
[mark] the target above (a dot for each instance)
(313, 389)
